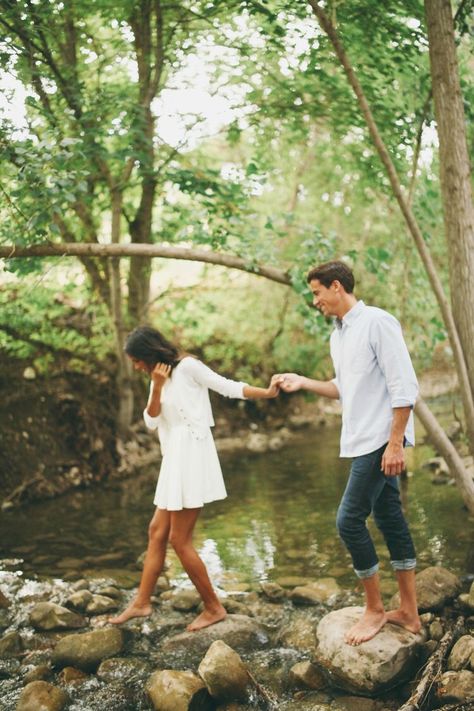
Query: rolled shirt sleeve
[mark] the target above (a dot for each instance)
(206, 377)
(150, 422)
(394, 361)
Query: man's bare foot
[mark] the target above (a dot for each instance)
(411, 622)
(132, 611)
(367, 627)
(207, 618)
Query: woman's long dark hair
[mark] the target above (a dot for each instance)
(150, 346)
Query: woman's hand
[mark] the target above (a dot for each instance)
(160, 374)
(288, 382)
(273, 389)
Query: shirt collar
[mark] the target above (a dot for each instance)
(351, 315)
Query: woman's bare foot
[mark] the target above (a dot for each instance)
(207, 618)
(367, 627)
(133, 610)
(410, 622)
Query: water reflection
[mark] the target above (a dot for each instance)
(278, 521)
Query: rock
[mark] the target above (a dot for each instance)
(86, 651)
(455, 686)
(4, 601)
(257, 442)
(436, 630)
(224, 673)
(434, 587)
(79, 600)
(234, 607)
(461, 653)
(307, 675)
(185, 600)
(315, 593)
(11, 645)
(273, 591)
(354, 703)
(121, 670)
(299, 634)
(110, 591)
(436, 465)
(5, 620)
(9, 668)
(71, 675)
(178, 691)
(39, 673)
(42, 696)
(100, 604)
(29, 373)
(49, 616)
(81, 584)
(241, 632)
(383, 661)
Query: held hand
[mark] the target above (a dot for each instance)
(160, 374)
(288, 382)
(393, 460)
(273, 389)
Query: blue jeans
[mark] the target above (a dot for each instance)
(370, 491)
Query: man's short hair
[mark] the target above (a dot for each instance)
(330, 271)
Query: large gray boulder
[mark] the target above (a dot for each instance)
(224, 673)
(178, 691)
(435, 586)
(86, 651)
(41, 696)
(387, 659)
(240, 632)
(49, 616)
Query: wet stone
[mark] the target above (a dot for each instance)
(185, 600)
(11, 645)
(122, 669)
(435, 586)
(178, 691)
(86, 651)
(9, 668)
(455, 686)
(315, 593)
(71, 675)
(41, 672)
(110, 591)
(461, 654)
(4, 601)
(273, 591)
(79, 600)
(42, 695)
(99, 605)
(5, 620)
(49, 616)
(305, 674)
(223, 672)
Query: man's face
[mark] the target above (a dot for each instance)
(326, 298)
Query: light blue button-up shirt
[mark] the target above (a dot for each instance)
(374, 375)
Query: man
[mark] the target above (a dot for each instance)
(377, 386)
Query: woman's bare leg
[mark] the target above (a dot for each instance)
(180, 537)
(158, 532)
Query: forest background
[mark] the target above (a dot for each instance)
(340, 129)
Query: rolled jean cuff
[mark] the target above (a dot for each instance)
(407, 564)
(367, 573)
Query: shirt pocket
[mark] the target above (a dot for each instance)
(361, 360)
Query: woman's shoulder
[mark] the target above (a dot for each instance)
(189, 364)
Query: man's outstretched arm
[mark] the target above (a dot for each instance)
(291, 382)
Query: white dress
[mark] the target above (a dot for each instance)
(190, 474)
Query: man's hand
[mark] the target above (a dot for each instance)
(288, 382)
(393, 460)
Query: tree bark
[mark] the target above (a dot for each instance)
(455, 176)
(144, 250)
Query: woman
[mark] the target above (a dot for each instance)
(190, 475)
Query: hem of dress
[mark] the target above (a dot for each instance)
(197, 506)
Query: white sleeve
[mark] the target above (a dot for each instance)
(213, 381)
(150, 422)
(395, 362)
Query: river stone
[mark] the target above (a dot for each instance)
(81, 584)
(434, 587)
(71, 675)
(241, 632)
(9, 668)
(185, 600)
(461, 653)
(110, 591)
(178, 691)
(38, 673)
(5, 620)
(224, 673)
(273, 591)
(455, 686)
(42, 696)
(86, 651)
(354, 703)
(315, 593)
(121, 669)
(299, 634)
(307, 675)
(100, 604)
(79, 600)
(383, 661)
(4, 601)
(11, 645)
(49, 616)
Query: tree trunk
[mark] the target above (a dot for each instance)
(455, 176)
(124, 373)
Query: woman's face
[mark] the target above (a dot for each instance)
(140, 365)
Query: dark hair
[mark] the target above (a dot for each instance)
(330, 271)
(150, 346)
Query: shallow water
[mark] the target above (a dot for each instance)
(277, 521)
